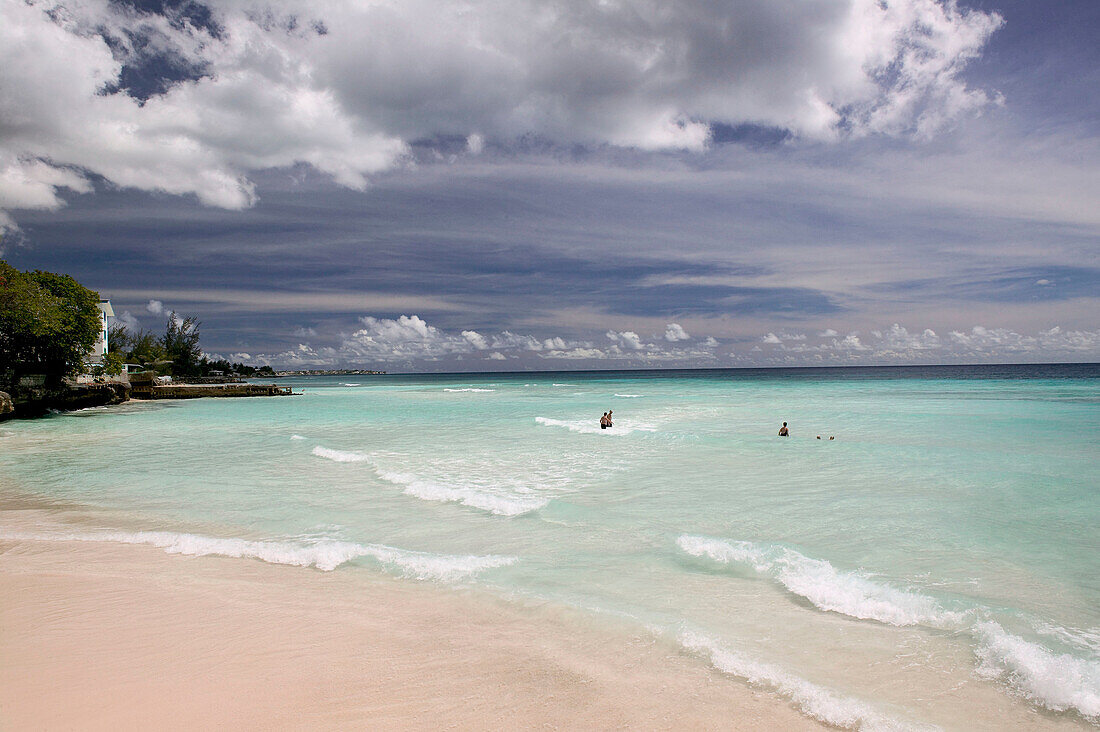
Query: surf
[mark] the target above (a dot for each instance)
(827, 588)
(591, 427)
(325, 554)
(813, 700)
(1059, 682)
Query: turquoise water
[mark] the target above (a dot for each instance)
(938, 563)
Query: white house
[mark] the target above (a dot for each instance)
(99, 350)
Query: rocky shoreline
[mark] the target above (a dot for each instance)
(30, 402)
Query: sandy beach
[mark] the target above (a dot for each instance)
(103, 636)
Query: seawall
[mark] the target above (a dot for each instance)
(196, 391)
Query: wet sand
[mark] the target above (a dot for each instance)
(104, 636)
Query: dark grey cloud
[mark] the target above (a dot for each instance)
(1051, 283)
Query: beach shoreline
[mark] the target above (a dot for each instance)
(438, 554)
(109, 636)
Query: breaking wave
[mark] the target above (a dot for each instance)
(815, 701)
(830, 589)
(1058, 681)
(628, 396)
(324, 554)
(495, 503)
(339, 455)
(592, 426)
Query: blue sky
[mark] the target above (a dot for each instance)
(508, 185)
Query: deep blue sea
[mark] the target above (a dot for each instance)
(936, 564)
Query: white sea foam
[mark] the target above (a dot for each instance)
(470, 389)
(441, 567)
(1085, 639)
(297, 437)
(499, 503)
(496, 503)
(1057, 681)
(356, 384)
(828, 588)
(324, 554)
(628, 396)
(591, 426)
(339, 455)
(818, 702)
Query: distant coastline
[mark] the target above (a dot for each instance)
(330, 372)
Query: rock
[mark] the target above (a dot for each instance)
(7, 406)
(68, 396)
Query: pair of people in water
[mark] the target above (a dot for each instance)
(605, 420)
(784, 432)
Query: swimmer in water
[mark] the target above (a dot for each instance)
(783, 432)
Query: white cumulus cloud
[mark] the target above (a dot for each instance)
(345, 86)
(127, 319)
(675, 332)
(410, 338)
(475, 339)
(627, 339)
(1004, 340)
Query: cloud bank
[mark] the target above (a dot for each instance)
(194, 99)
(409, 341)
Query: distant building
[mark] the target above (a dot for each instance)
(99, 350)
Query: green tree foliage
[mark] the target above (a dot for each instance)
(141, 347)
(111, 366)
(181, 345)
(176, 352)
(48, 323)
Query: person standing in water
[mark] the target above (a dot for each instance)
(783, 432)
(603, 421)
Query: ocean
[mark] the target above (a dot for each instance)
(937, 564)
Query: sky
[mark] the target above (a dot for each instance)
(426, 185)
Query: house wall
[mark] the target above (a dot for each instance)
(99, 350)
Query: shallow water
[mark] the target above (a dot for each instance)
(938, 563)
